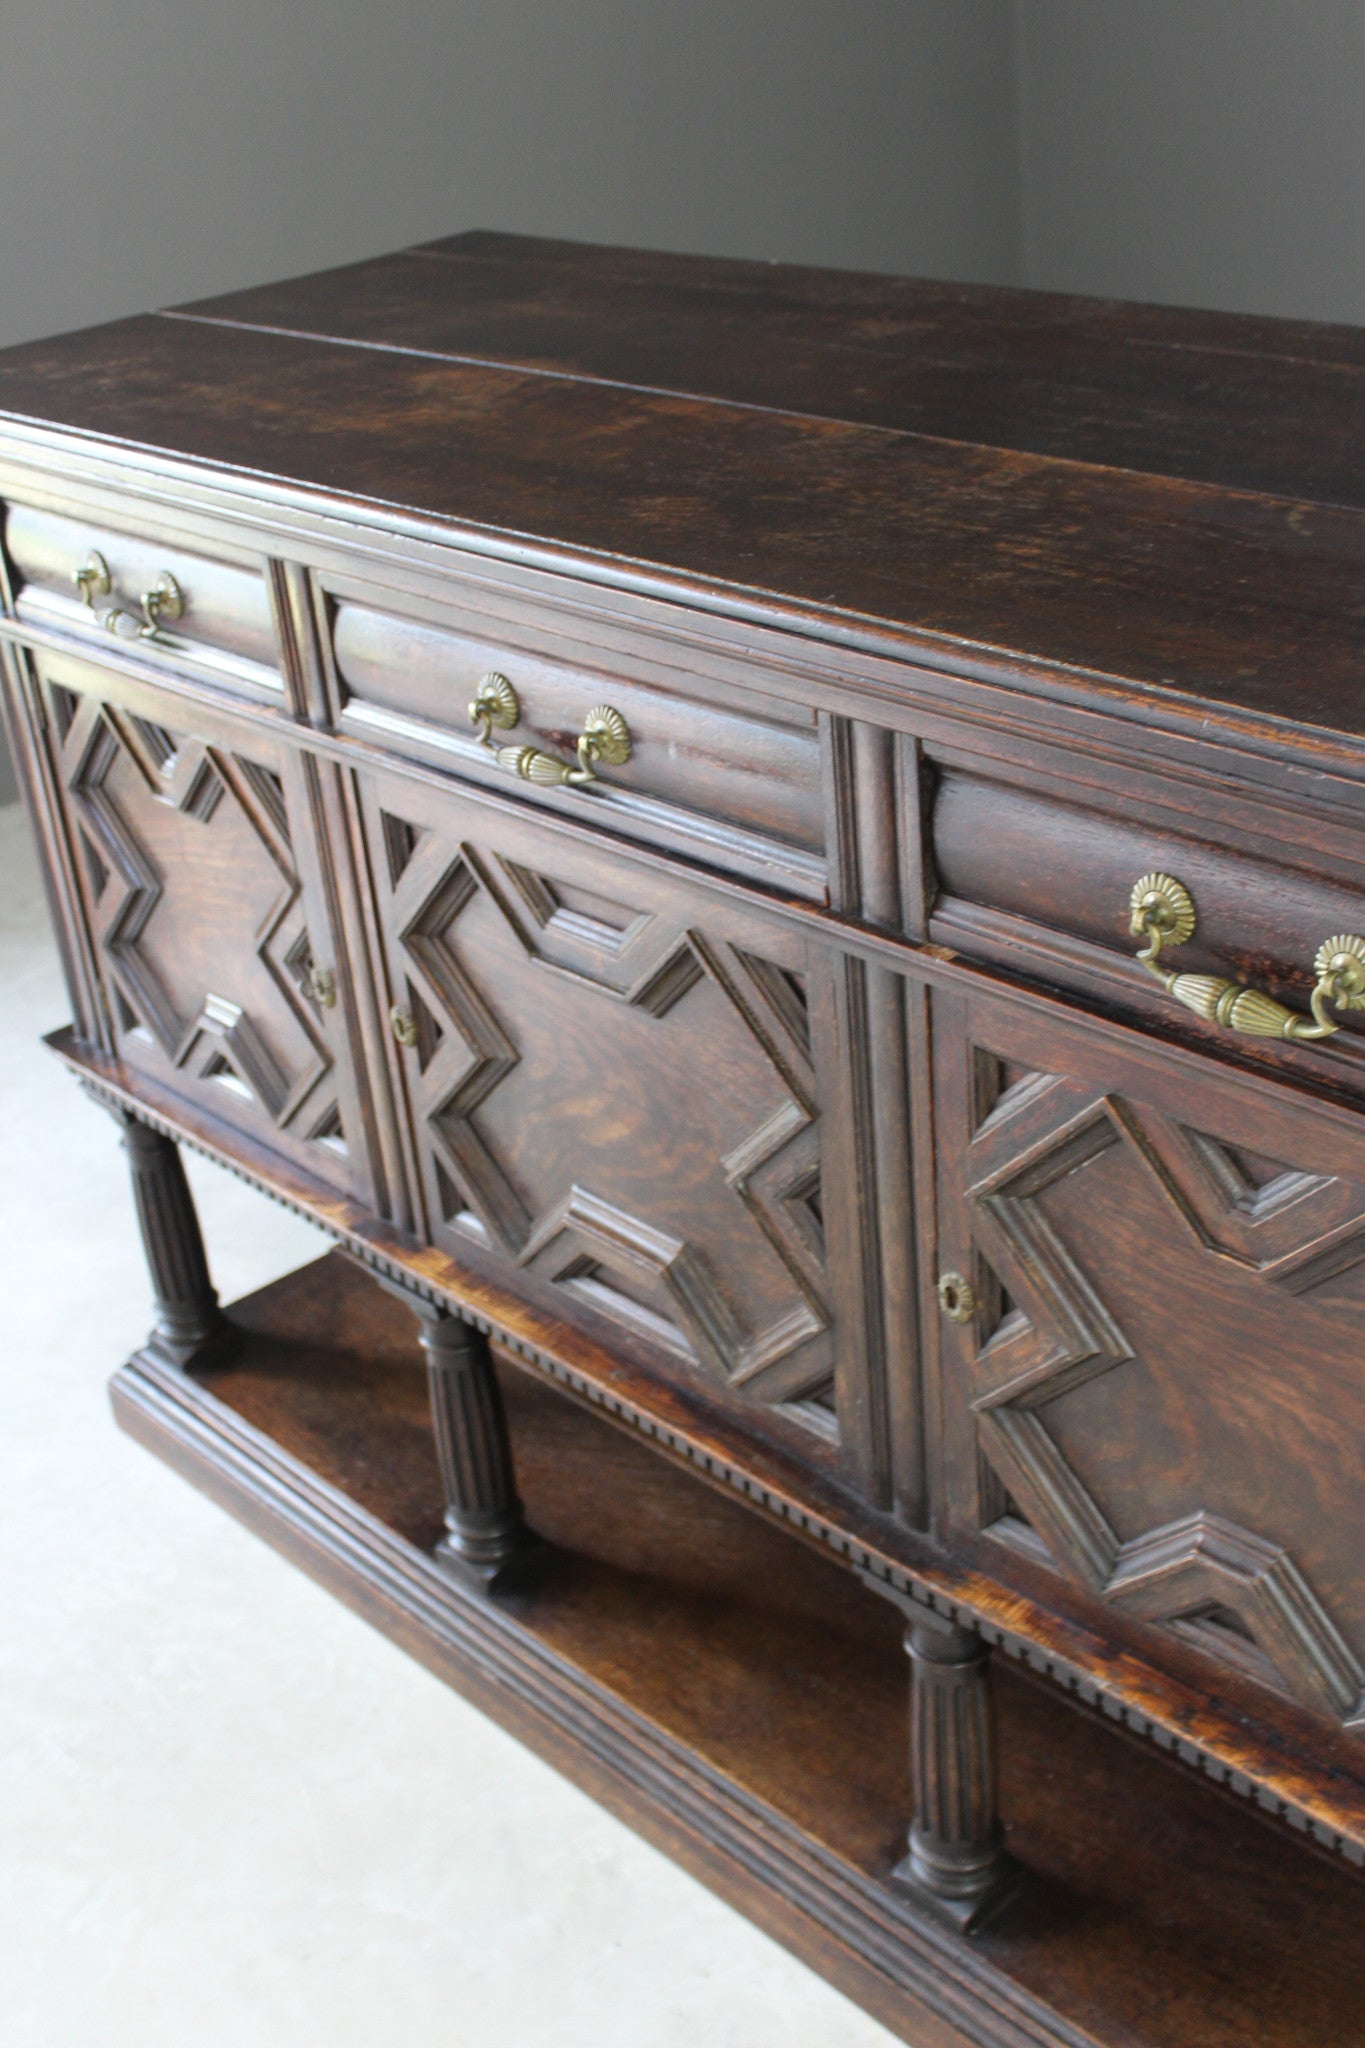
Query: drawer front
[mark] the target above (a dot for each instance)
(205, 909)
(214, 614)
(613, 1089)
(1043, 887)
(1155, 1400)
(737, 791)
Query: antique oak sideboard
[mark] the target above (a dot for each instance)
(779, 856)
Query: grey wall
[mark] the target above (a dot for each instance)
(1205, 152)
(1209, 151)
(154, 150)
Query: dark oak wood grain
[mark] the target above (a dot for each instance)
(1251, 601)
(1239, 1732)
(1161, 1373)
(1257, 404)
(1162, 1917)
(789, 1092)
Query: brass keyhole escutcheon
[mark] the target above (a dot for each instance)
(956, 1297)
(322, 987)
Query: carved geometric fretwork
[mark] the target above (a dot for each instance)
(65, 704)
(1000, 1087)
(570, 923)
(1297, 1230)
(95, 867)
(699, 1324)
(461, 1065)
(1045, 1332)
(400, 844)
(156, 744)
(197, 911)
(1204, 1564)
(565, 1018)
(783, 992)
(585, 933)
(240, 1046)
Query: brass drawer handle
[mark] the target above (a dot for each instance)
(403, 1025)
(165, 600)
(322, 987)
(605, 738)
(1162, 912)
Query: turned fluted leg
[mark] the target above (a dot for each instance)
(957, 1861)
(187, 1313)
(487, 1540)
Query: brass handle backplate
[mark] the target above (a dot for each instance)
(605, 738)
(92, 579)
(1161, 910)
(165, 600)
(322, 987)
(404, 1025)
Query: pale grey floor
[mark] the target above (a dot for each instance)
(230, 1813)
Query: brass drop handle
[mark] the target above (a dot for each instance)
(165, 600)
(1161, 910)
(605, 738)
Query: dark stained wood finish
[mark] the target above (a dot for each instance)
(486, 1539)
(199, 871)
(956, 1862)
(1161, 1916)
(1158, 1401)
(1245, 600)
(188, 1319)
(1240, 1733)
(1264, 405)
(939, 616)
(616, 1089)
(409, 685)
(226, 605)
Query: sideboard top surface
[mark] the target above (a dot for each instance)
(1166, 497)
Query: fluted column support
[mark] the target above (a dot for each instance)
(487, 1541)
(188, 1319)
(957, 1861)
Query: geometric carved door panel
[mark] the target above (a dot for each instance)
(1160, 1397)
(204, 932)
(613, 1096)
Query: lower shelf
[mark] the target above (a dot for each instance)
(742, 1702)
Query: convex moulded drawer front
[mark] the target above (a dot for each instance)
(88, 577)
(737, 791)
(1045, 887)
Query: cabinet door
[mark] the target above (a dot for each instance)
(200, 873)
(614, 1083)
(1158, 1403)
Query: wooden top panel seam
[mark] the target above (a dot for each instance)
(515, 248)
(1006, 453)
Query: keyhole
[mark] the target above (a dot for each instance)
(956, 1297)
